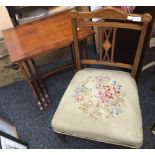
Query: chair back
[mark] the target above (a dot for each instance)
(109, 21)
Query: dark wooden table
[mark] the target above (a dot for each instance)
(26, 41)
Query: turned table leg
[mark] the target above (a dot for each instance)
(36, 84)
(45, 94)
(31, 74)
(34, 91)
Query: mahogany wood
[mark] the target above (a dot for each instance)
(40, 36)
(45, 94)
(58, 70)
(112, 25)
(107, 30)
(26, 41)
(110, 13)
(34, 92)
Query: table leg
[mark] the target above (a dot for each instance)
(34, 92)
(36, 83)
(46, 96)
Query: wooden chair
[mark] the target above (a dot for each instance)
(100, 104)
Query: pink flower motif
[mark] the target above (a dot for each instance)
(79, 98)
(100, 93)
(103, 96)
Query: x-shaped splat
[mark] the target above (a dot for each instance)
(107, 45)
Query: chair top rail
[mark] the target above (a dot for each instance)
(112, 13)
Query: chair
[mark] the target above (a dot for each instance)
(103, 104)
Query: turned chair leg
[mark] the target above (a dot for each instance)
(153, 132)
(63, 138)
(153, 129)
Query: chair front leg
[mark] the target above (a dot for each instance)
(62, 137)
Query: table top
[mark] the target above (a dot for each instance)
(40, 36)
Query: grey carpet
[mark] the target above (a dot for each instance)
(34, 126)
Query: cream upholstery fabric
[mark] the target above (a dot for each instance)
(88, 112)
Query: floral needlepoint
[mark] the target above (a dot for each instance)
(100, 97)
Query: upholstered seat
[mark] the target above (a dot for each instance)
(101, 105)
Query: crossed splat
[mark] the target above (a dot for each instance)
(106, 44)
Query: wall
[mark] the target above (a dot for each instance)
(5, 21)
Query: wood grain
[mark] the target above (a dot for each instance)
(106, 37)
(110, 13)
(40, 36)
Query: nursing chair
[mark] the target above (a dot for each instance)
(103, 104)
